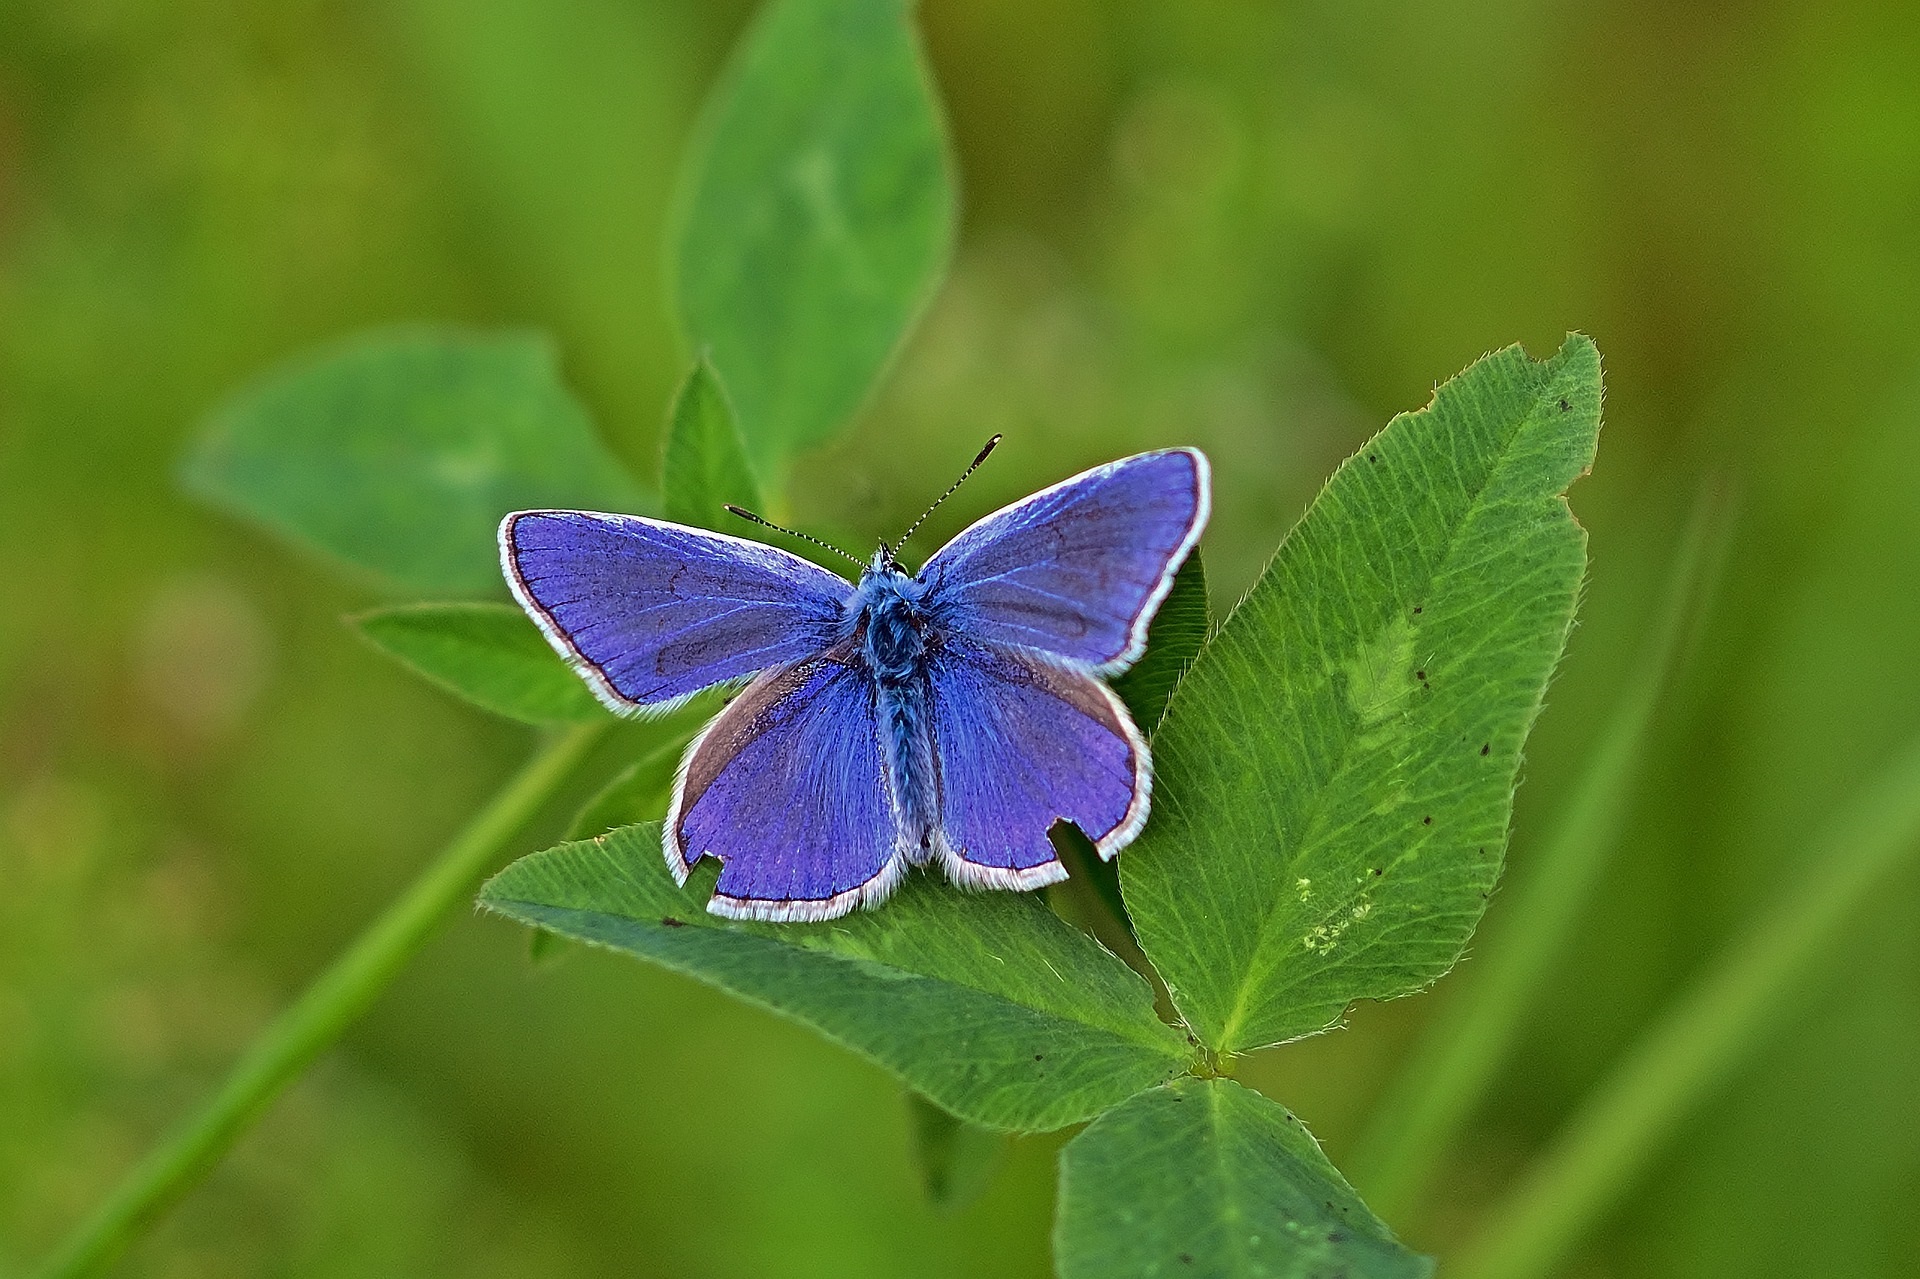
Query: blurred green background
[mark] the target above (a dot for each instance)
(1262, 229)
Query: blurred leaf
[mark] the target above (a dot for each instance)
(815, 216)
(1173, 641)
(1752, 991)
(704, 465)
(1203, 1177)
(562, 121)
(956, 1159)
(490, 654)
(1335, 774)
(990, 1004)
(399, 451)
(638, 793)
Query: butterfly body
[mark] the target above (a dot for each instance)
(887, 613)
(951, 716)
(894, 634)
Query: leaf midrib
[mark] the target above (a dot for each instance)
(1132, 1032)
(1232, 1209)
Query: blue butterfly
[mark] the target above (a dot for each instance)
(951, 715)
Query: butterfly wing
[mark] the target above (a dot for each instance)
(1076, 570)
(788, 788)
(651, 612)
(1024, 742)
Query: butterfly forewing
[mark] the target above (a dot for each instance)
(1076, 570)
(651, 612)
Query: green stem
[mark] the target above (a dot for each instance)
(1103, 917)
(331, 1004)
(1699, 1041)
(1436, 1092)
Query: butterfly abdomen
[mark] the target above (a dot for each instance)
(895, 638)
(906, 720)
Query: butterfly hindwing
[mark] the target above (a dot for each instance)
(1024, 743)
(651, 613)
(788, 788)
(1076, 570)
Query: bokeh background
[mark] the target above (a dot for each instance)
(1260, 228)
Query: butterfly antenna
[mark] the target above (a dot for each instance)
(953, 488)
(763, 522)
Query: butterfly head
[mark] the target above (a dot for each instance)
(885, 613)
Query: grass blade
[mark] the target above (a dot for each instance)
(1707, 1033)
